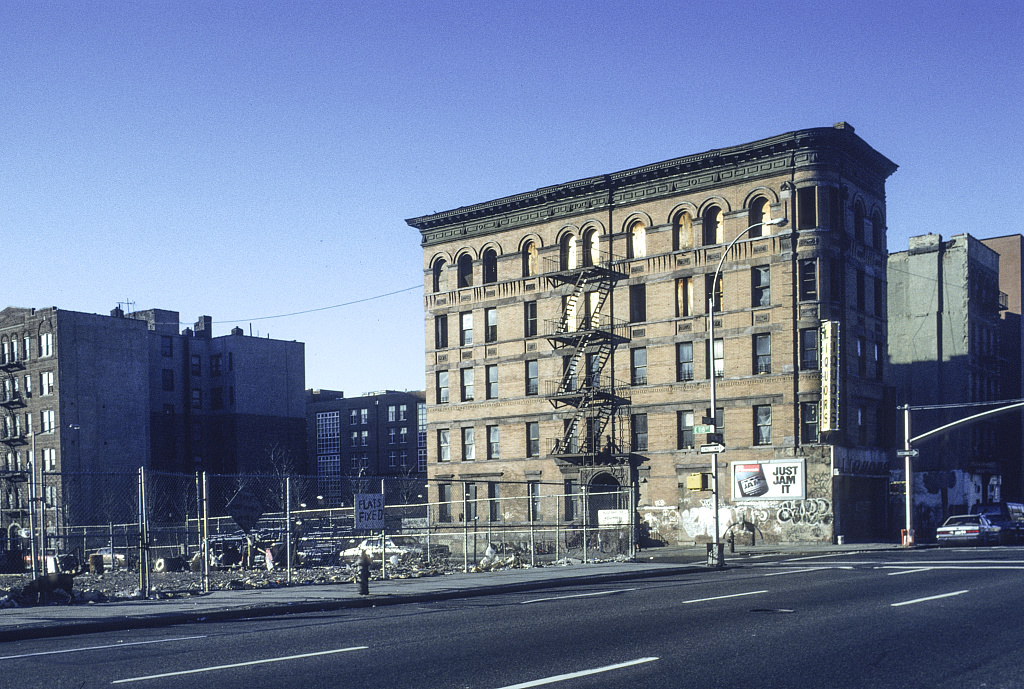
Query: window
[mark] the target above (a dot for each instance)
(637, 303)
(465, 271)
(760, 287)
(591, 248)
(808, 422)
(470, 502)
(531, 258)
(166, 345)
(684, 361)
(196, 368)
(532, 439)
(217, 398)
(684, 297)
(809, 349)
(492, 381)
(49, 459)
(759, 214)
(717, 357)
(354, 417)
(444, 499)
(391, 413)
(46, 379)
(216, 364)
(533, 487)
(532, 381)
(392, 435)
(466, 328)
(876, 228)
(444, 447)
(493, 445)
(837, 286)
(806, 208)
(25, 347)
(167, 376)
(392, 459)
(467, 385)
(861, 299)
(712, 222)
(364, 438)
(808, 279)
(440, 332)
(762, 353)
(354, 436)
(682, 232)
(762, 424)
(364, 416)
(491, 325)
(442, 387)
(862, 357)
(858, 222)
(328, 432)
(879, 297)
(571, 488)
(878, 360)
(530, 319)
(403, 410)
(637, 247)
(494, 501)
(403, 435)
(684, 432)
(490, 266)
(197, 398)
(639, 432)
(47, 421)
(468, 444)
(713, 290)
(439, 275)
(638, 366)
(567, 252)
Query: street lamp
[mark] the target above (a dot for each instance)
(718, 550)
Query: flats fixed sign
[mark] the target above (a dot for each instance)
(369, 511)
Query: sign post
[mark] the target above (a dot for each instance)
(368, 514)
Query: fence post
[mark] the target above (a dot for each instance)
(288, 528)
(632, 523)
(205, 549)
(465, 529)
(586, 518)
(557, 535)
(143, 537)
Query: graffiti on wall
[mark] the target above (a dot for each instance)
(813, 511)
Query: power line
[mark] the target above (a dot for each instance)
(322, 308)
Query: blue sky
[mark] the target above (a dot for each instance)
(251, 159)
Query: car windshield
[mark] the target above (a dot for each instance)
(963, 520)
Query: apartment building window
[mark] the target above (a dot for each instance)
(682, 231)
(25, 347)
(196, 367)
(166, 345)
(490, 325)
(637, 246)
(531, 259)
(470, 502)
(444, 446)
(47, 421)
(638, 366)
(637, 303)
(532, 378)
(217, 398)
(593, 371)
(571, 489)
(489, 263)
(809, 349)
(532, 438)
(712, 222)
(216, 364)
(759, 214)
(197, 398)
(713, 290)
(530, 319)
(442, 387)
(467, 384)
(328, 433)
(464, 269)
(760, 287)
(762, 353)
(440, 332)
(364, 416)
(392, 435)
(762, 424)
(862, 357)
(364, 438)
(493, 444)
(354, 417)
(392, 413)
(684, 297)
(639, 432)
(533, 488)
(878, 360)
(421, 459)
(808, 422)
(354, 436)
(439, 275)
(468, 444)
(494, 501)
(806, 208)
(49, 459)
(166, 375)
(28, 385)
(403, 411)
(466, 328)
(403, 435)
(684, 429)
(444, 499)
(684, 361)
(392, 459)
(492, 381)
(716, 356)
(808, 278)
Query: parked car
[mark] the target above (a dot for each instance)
(111, 560)
(968, 529)
(402, 546)
(1008, 516)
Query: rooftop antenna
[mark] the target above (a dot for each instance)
(129, 306)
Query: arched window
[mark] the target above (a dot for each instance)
(682, 232)
(568, 257)
(490, 266)
(440, 276)
(760, 212)
(465, 271)
(637, 247)
(591, 248)
(530, 259)
(858, 222)
(712, 222)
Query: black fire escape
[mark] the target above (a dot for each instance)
(597, 430)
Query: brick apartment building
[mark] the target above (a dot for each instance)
(94, 396)
(568, 339)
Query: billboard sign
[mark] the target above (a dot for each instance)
(775, 480)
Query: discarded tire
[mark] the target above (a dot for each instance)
(169, 564)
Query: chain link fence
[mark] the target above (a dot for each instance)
(200, 522)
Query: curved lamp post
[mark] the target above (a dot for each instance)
(714, 400)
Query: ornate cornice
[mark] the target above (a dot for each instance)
(837, 148)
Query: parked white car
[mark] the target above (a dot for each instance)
(402, 546)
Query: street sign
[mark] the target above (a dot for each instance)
(245, 508)
(907, 453)
(712, 448)
(369, 511)
(701, 430)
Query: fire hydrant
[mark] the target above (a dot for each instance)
(364, 573)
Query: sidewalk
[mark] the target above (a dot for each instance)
(62, 620)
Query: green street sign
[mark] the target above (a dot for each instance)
(701, 430)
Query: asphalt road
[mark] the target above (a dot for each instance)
(933, 618)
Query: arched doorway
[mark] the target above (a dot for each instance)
(604, 493)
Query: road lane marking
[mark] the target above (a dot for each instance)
(576, 595)
(797, 571)
(909, 571)
(101, 648)
(581, 673)
(928, 598)
(212, 668)
(731, 595)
